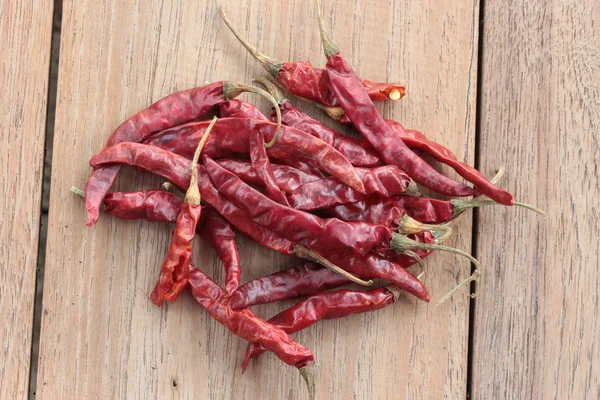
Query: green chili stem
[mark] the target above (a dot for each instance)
(460, 206)
(329, 47)
(233, 89)
(81, 194)
(409, 225)
(419, 261)
(270, 64)
(309, 372)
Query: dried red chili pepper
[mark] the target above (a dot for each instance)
(175, 109)
(176, 169)
(262, 167)
(384, 181)
(362, 112)
(234, 137)
(150, 205)
(327, 305)
(240, 109)
(304, 279)
(248, 326)
(357, 151)
(303, 80)
(287, 178)
(218, 232)
(175, 269)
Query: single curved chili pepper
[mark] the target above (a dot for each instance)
(303, 80)
(150, 205)
(175, 109)
(176, 169)
(416, 140)
(327, 305)
(384, 181)
(233, 135)
(357, 151)
(218, 232)
(362, 112)
(287, 178)
(175, 269)
(248, 326)
(295, 225)
(262, 167)
(304, 279)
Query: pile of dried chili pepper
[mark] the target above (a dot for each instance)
(349, 207)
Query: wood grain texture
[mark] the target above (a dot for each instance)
(102, 338)
(25, 33)
(537, 328)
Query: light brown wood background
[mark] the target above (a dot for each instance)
(25, 31)
(535, 325)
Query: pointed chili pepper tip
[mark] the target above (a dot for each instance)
(309, 372)
(270, 64)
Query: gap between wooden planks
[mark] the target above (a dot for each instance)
(101, 337)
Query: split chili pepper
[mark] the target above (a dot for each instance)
(357, 151)
(327, 305)
(362, 112)
(305, 81)
(248, 326)
(234, 137)
(176, 266)
(304, 279)
(262, 167)
(384, 181)
(218, 232)
(175, 109)
(176, 169)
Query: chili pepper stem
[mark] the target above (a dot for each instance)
(270, 64)
(81, 194)
(233, 89)
(401, 243)
(272, 89)
(303, 252)
(419, 261)
(192, 196)
(409, 225)
(329, 47)
(309, 372)
(412, 189)
(460, 206)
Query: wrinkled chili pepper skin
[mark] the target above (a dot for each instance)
(303, 80)
(245, 324)
(389, 211)
(304, 279)
(376, 266)
(417, 140)
(327, 305)
(362, 112)
(175, 109)
(384, 181)
(232, 135)
(175, 269)
(151, 205)
(287, 178)
(176, 169)
(357, 151)
(240, 109)
(295, 225)
(262, 167)
(218, 232)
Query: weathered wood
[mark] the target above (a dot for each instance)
(102, 338)
(537, 330)
(25, 33)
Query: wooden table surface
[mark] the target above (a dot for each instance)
(514, 84)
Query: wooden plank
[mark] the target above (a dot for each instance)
(102, 338)
(25, 34)
(537, 330)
